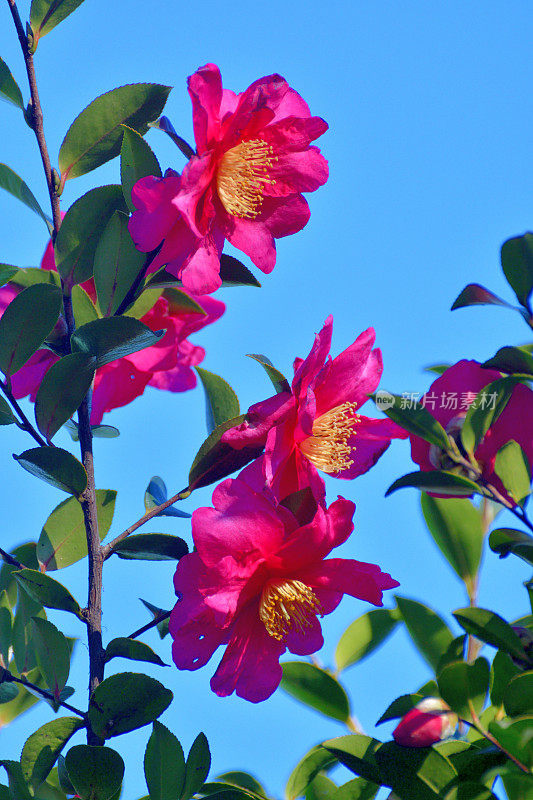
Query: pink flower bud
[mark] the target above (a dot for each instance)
(428, 722)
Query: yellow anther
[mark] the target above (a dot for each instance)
(287, 604)
(328, 447)
(242, 174)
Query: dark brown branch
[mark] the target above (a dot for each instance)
(152, 624)
(6, 676)
(25, 424)
(9, 559)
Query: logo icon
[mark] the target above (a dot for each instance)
(384, 400)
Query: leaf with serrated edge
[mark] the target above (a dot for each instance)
(122, 647)
(197, 766)
(47, 591)
(55, 466)
(41, 750)
(13, 183)
(164, 764)
(137, 161)
(53, 654)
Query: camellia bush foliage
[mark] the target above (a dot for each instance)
(127, 278)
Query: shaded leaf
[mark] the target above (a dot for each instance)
(438, 481)
(358, 753)
(279, 381)
(321, 788)
(513, 469)
(197, 767)
(400, 707)
(517, 265)
(133, 649)
(221, 402)
(17, 784)
(457, 529)
(475, 295)
(117, 263)
(485, 410)
(162, 627)
(55, 466)
(13, 183)
(126, 701)
(216, 460)
(244, 780)
(22, 330)
(112, 338)
(8, 691)
(46, 14)
(137, 161)
(22, 634)
(419, 773)
(363, 636)
(6, 415)
(310, 765)
(502, 670)
(464, 686)
(518, 696)
(62, 391)
(412, 417)
(53, 654)
(508, 540)
(511, 360)
(357, 789)
(41, 750)
(9, 89)
(490, 628)
(164, 764)
(316, 688)
(95, 772)
(47, 591)
(234, 273)
(516, 736)
(152, 547)
(428, 631)
(156, 495)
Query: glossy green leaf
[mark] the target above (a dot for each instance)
(413, 417)
(468, 790)
(117, 263)
(96, 134)
(132, 649)
(145, 300)
(126, 701)
(8, 691)
(181, 303)
(234, 273)
(162, 627)
(419, 773)
(17, 784)
(363, 636)
(6, 273)
(464, 686)
(485, 410)
(29, 276)
(197, 767)
(55, 466)
(517, 783)
(316, 688)
(457, 529)
(152, 547)
(400, 707)
(217, 790)
(95, 772)
(428, 631)
(84, 309)
(62, 391)
(513, 469)
(22, 329)
(438, 369)
(277, 378)
(517, 265)
(476, 295)
(516, 736)
(164, 764)
(47, 591)
(137, 161)
(53, 654)
(25, 553)
(41, 750)
(6, 415)
(436, 481)
(22, 634)
(511, 360)
(518, 696)
(244, 780)
(15, 186)
(358, 753)
(9, 89)
(216, 460)
(321, 788)
(454, 652)
(221, 402)
(22, 702)
(63, 540)
(46, 14)
(109, 339)
(6, 626)
(490, 628)
(310, 765)
(357, 789)
(503, 669)
(156, 494)
(81, 229)
(508, 540)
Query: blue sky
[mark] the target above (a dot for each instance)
(429, 107)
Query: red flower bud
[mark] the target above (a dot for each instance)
(428, 722)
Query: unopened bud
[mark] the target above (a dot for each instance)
(428, 722)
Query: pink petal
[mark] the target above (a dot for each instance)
(27, 379)
(357, 578)
(297, 172)
(307, 370)
(307, 641)
(205, 90)
(255, 239)
(116, 384)
(294, 133)
(155, 215)
(193, 200)
(201, 272)
(261, 417)
(369, 441)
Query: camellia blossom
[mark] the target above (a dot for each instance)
(316, 425)
(166, 365)
(254, 158)
(448, 400)
(430, 721)
(257, 582)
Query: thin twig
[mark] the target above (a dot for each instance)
(132, 291)
(6, 676)
(9, 559)
(25, 424)
(484, 732)
(152, 624)
(108, 548)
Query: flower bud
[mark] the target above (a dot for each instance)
(428, 722)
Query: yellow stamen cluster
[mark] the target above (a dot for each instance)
(328, 447)
(242, 174)
(287, 604)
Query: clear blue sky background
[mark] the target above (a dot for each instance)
(429, 107)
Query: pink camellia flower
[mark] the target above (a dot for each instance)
(428, 722)
(257, 582)
(166, 365)
(254, 158)
(315, 425)
(448, 400)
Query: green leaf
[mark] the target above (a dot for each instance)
(363, 636)
(518, 697)
(46, 14)
(144, 302)
(83, 307)
(137, 161)
(126, 701)
(485, 410)
(6, 415)
(244, 780)
(62, 391)
(13, 183)
(508, 540)
(63, 539)
(457, 529)
(81, 229)
(6, 273)
(9, 89)
(48, 592)
(419, 773)
(490, 628)
(234, 273)
(55, 466)
(357, 789)
(29, 276)
(413, 417)
(22, 634)
(156, 495)
(511, 360)
(400, 707)
(279, 381)
(197, 767)
(164, 764)
(117, 263)
(96, 134)
(8, 691)
(501, 672)
(17, 784)
(41, 750)
(63, 778)
(53, 654)
(358, 753)
(321, 788)
(310, 765)
(95, 772)
(464, 686)
(6, 627)
(513, 469)
(454, 652)
(436, 481)
(22, 702)
(517, 265)
(105, 431)
(216, 460)
(109, 339)
(476, 295)
(221, 402)
(438, 369)
(316, 688)
(516, 736)
(468, 790)
(22, 329)
(162, 627)
(132, 649)
(152, 547)
(181, 303)
(428, 631)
